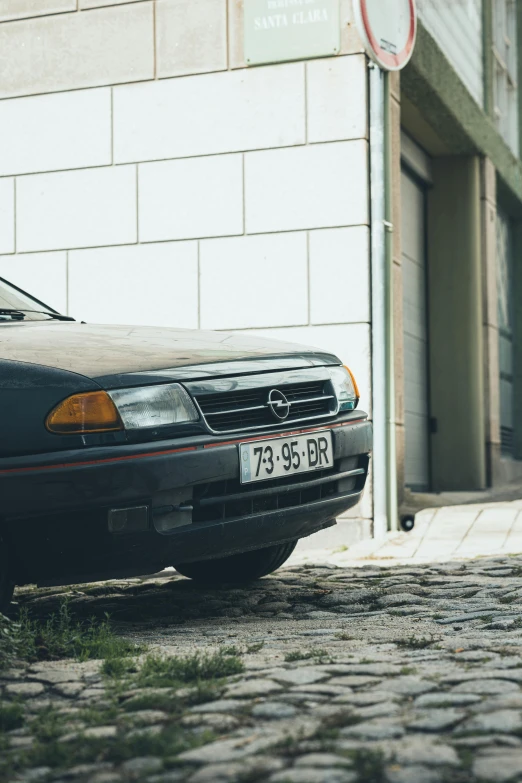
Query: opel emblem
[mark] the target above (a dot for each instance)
(278, 404)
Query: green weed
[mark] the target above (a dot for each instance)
(159, 671)
(61, 636)
(306, 655)
(416, 642)
(48, 725)
(8, 641)
(117, 667)
(230, 650)
(11, 716)
(369, 765)
(101, 716)
(508, 599)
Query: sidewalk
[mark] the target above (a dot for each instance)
(439, 535)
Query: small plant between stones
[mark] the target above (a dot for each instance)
(306, 655)
(60, 636)
(416, 642)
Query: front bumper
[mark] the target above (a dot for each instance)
(55, 507)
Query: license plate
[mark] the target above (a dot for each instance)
(270, 459)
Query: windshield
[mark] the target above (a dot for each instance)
(13, 299)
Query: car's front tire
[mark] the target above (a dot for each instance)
(6, 586)
(239, 569)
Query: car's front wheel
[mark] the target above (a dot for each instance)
(6, 586)
(239, 569)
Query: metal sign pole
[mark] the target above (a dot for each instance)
(388, 32)
(379, 308)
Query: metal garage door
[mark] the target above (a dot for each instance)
(416, 398)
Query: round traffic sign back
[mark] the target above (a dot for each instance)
(388, 29)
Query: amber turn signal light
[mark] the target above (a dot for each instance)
(84, 413)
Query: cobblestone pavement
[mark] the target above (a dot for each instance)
(371, 674)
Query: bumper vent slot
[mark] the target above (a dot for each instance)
(224, 500)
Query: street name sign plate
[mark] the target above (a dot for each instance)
(388, 29)
(282, 30)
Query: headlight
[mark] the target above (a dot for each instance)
(345, 387)
(144, 407)
(154, 406)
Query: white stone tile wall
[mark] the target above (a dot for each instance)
(156, 285)
(82, 208)
(75, 50)
(210, 114)
(340, 275)
(21, 9)
(146, 177)
(86, 4)
(313, 186)
(195, 197)
(192, 37)
(7, 215)
(68, 130)
(337, 99)
(42, 274)
(254, 281)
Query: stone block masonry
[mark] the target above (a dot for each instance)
(136, 148)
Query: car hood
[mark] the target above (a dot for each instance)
(131, 355)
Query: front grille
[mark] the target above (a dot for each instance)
(239, 409)
(224, 500)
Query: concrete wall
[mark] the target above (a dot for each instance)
(148, 177)
(456, 25)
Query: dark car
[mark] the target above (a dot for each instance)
(126, 449)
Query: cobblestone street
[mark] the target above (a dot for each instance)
(400, 674)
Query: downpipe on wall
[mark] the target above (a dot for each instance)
(385, 514)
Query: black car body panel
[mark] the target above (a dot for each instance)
(131, 355)
(178, 487)
(27, 393)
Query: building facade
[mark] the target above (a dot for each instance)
(460, 259)
(148, 176)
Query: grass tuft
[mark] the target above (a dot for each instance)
(416, 642)
(159, 671)
(9, 631)
(62, 636)
(48, 725)
(369, 765)
(11, 716)
(253, 648)
(306, 655)
(117, 667)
